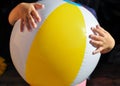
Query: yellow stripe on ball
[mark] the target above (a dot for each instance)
(58, 49)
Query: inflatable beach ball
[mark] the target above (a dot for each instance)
(57, 52)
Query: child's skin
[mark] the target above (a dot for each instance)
(28, 14)
(102, 40)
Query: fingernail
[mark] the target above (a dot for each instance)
(43, 6)
(91, 28)
(35, 26)
(97, 26)
(93, 52)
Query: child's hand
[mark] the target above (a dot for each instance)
(28, 14)
(102, 40)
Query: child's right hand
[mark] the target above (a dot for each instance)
(28, 14)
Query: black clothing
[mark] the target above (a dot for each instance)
(108, 13)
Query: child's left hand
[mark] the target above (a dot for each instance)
(102, 40)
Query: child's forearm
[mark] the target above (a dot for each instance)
(14, 15)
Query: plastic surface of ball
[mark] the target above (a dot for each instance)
(57, 52)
